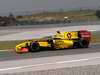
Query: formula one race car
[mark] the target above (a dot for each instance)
(61, 40)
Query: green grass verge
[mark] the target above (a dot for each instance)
(8, 44)
(12, 44)
(95, 37)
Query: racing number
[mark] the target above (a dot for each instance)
(69, 35)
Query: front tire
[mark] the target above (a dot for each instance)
(35, 47)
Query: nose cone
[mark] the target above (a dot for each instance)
(24, 50)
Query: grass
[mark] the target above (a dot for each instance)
(96, 37)
(75, 15)
(12, 44)
(8, 44)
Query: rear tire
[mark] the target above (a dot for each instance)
(85, 44)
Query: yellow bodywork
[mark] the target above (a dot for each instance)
(19, 46)
(71, 35)
(43, 44)
(65, 41)
(60, 44)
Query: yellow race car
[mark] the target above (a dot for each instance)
(61, 40)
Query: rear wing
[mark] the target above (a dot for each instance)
(85, 35)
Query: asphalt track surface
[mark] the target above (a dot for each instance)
(23, 34)
(46, 60)
(11, 55)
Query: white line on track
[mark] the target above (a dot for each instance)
(6, 50)
(3, 50)
(59, 62)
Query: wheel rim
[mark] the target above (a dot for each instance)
(35, 47)
(85, 44)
